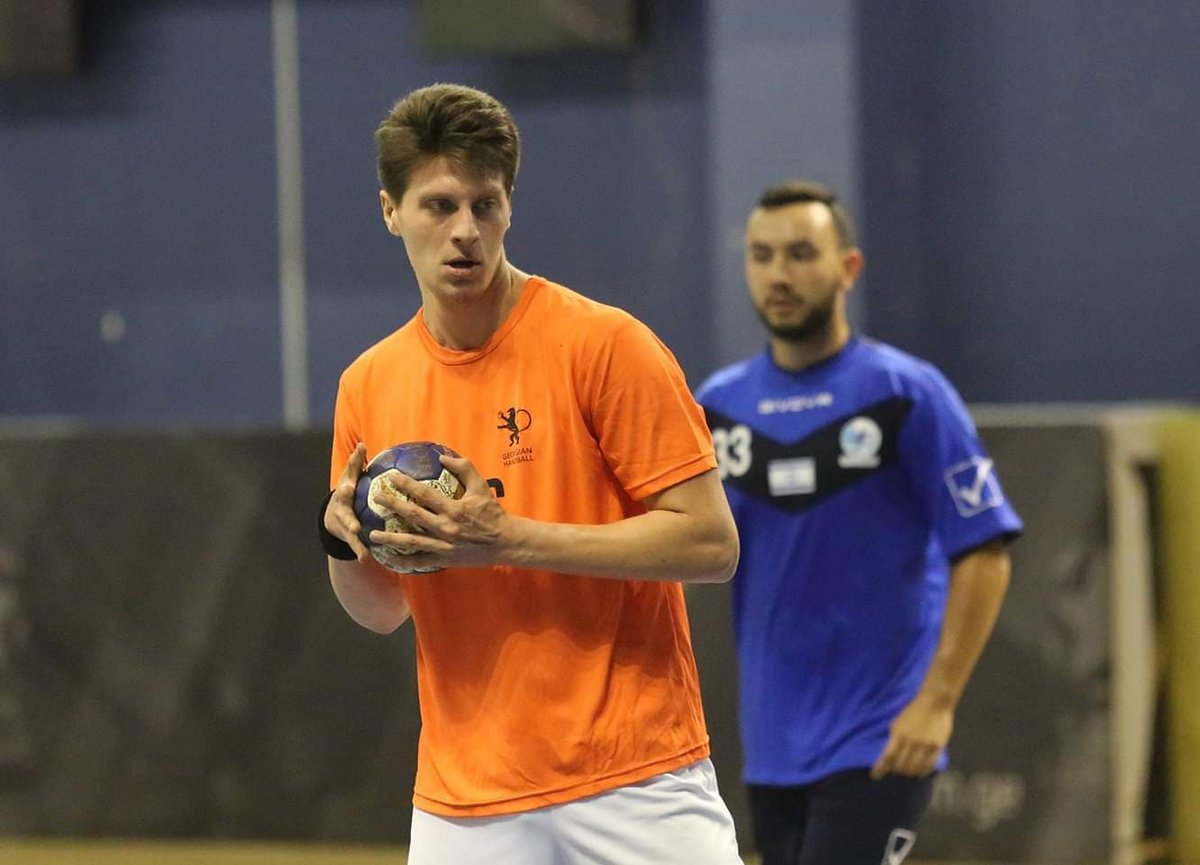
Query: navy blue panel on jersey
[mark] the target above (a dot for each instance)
(855, 483)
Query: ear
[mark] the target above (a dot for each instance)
(391, 209)
(852, 265)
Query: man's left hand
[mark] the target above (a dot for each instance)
(918, 735)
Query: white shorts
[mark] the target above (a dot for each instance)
(678, 817)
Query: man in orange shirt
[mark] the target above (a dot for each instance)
(560, 705)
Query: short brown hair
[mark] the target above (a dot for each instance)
(809, 191)
(467, 125)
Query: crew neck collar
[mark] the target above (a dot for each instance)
(529, 289)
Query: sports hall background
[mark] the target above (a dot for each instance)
(190, 251)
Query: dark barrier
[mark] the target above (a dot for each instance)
(1029, 779)
(173, 661)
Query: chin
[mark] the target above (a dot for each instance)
(792, 324)
(802, 330)
(465, 291)
(466, 282)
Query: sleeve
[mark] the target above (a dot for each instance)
(650, 430)
(952, 475)
(346, 431)
(704, 391)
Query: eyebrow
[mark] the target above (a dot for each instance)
(447, 195)
(803, 243)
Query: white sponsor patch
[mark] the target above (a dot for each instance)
(973, 486)
(793, 477)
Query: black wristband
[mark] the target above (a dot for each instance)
(334, 546)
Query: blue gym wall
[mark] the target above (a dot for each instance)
(1030, 183)
(144, 190)
(141, 193)
(1025, 174)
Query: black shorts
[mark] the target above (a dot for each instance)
(845, 818)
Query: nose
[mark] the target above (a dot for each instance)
(465, 229)
(776, 273)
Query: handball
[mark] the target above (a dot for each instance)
(418, 460)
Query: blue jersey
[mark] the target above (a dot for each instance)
(854, 483)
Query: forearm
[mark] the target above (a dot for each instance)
(372, 595)
(978, 583)
(659, 545)
(686, 534)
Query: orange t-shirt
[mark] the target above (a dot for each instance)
(538, 688)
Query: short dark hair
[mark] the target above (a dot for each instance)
(809, 191)
(467, 125)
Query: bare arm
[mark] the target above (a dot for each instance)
(687, 534)
(371, 594)
(978, 583)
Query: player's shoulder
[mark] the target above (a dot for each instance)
(572, 308)
(576, 320)
(910, 374)
(729, 378)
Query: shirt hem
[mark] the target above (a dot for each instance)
(532, 802)
(802, 779)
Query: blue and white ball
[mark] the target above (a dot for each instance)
(418, 460)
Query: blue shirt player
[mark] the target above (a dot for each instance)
(874, 561)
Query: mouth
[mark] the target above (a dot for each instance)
(781, 306)
(462, 266)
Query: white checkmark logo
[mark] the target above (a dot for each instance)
(973, 495)
(972, 487)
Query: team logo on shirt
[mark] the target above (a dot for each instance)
(860, 441)
(515, 421)
(973, 486)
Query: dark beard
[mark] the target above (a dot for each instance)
(817, 323)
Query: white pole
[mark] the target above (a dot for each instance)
(289, 180)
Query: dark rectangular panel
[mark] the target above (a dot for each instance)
(528, 26)
(38, 37)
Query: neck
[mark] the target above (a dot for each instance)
(468, 324)
(801, 354)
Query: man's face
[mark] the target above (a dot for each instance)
(453, 224)
(796, 271)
